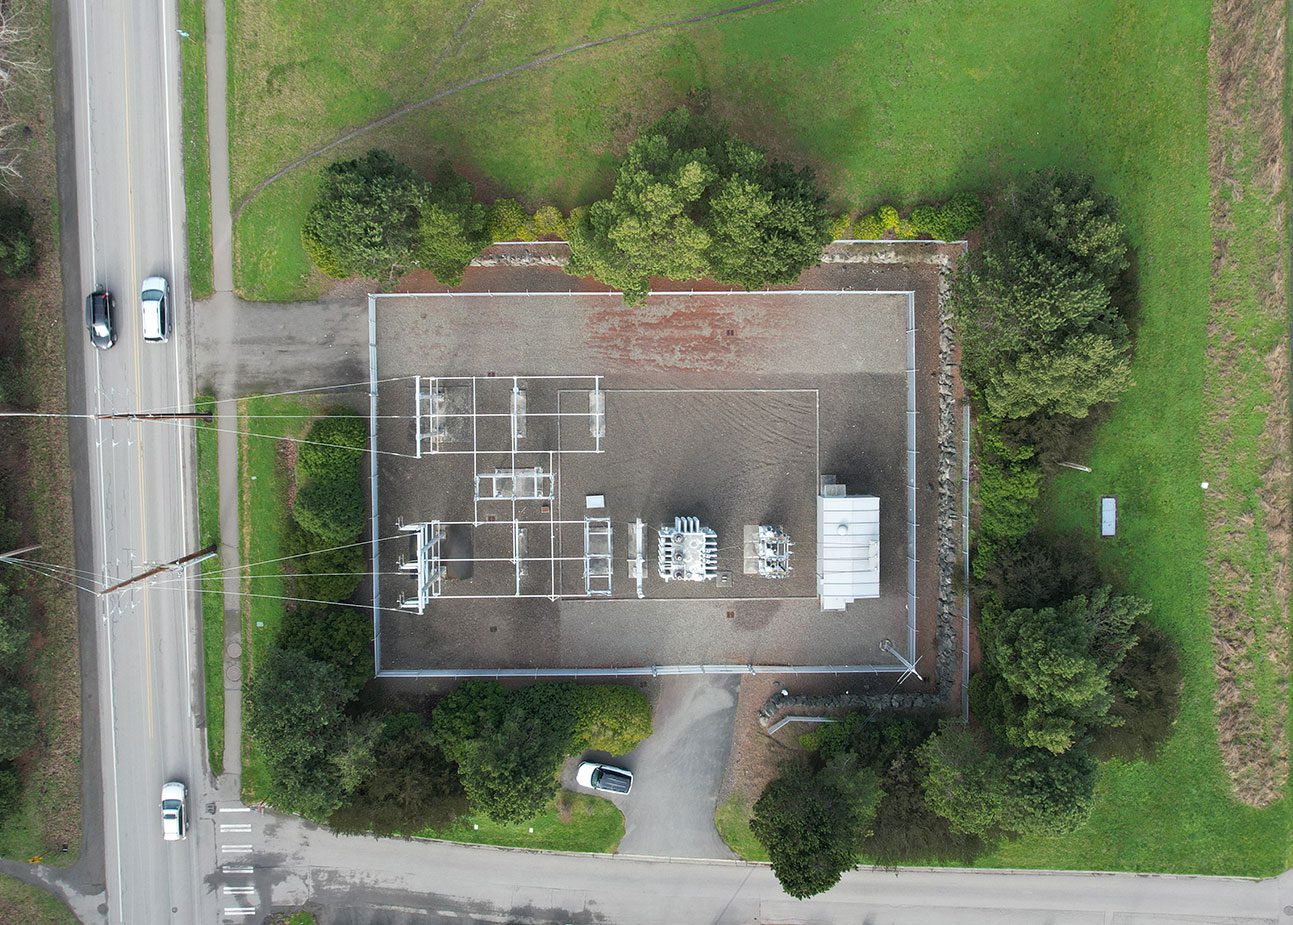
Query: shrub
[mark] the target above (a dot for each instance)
(1008, 493)
(341, 637)
(464, 711)
(330, 509)
(17, 722)
(1042, 571)
(14, 629)
(1050, 794)
(925, 220)
(17, 246)
(611, 718)
(839, 227)
(452, 229)
(334, 447)
(549, 222)
(813, 822)
(507, 220)
(869, 228)
(958, 217)
(13, 387)
(1066, 218)
(888, 217)
(365, 219)
(10, 789)
(331, 575)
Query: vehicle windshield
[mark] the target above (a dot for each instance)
(170, 808)
(152, 295)
(101, 328)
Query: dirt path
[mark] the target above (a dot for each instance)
(1245, 434)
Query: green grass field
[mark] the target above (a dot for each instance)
(30, 905)
(197, 165)
(589, 824)
(212, 586)
(265, 521)
(904, 102)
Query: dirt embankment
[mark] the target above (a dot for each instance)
(1246, 395)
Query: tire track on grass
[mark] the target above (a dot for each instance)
(533, 63)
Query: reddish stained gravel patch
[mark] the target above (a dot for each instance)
(702, 334)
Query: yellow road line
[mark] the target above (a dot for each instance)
(139, 442)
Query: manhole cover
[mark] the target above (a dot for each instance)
(234, 650)
(233, 673)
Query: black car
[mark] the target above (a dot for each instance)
(101, 318)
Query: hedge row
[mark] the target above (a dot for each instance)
(951, 221)
(507, 220)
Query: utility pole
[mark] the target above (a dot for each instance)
(174, 566)
(15, 553)
(145, 416)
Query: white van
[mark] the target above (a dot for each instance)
(155, 310)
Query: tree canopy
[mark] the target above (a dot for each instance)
(692, 201)
(986, 792)
(1041, 331)
(1046, 673)
(378, 218)
(365, 221)
(296, 717)
(813, 822)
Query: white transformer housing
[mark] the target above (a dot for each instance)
(848, 546)
(687, 551)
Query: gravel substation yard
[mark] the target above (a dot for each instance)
(726, 406)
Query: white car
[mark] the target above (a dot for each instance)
(155, 309)
(597, 776)
(175, 811)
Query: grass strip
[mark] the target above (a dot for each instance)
(573, 822)
(265, 474)
(197, 164)
(732, 819)
(212, 584)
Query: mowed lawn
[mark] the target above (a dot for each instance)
(572, 822)
(904, 102)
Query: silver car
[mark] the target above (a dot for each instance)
(155, 309)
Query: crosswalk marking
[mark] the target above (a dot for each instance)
(235, 827)
(234, 849)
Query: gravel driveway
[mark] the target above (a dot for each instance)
(678, 770)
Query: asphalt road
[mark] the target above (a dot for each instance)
(403, 882)
(123, 56)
